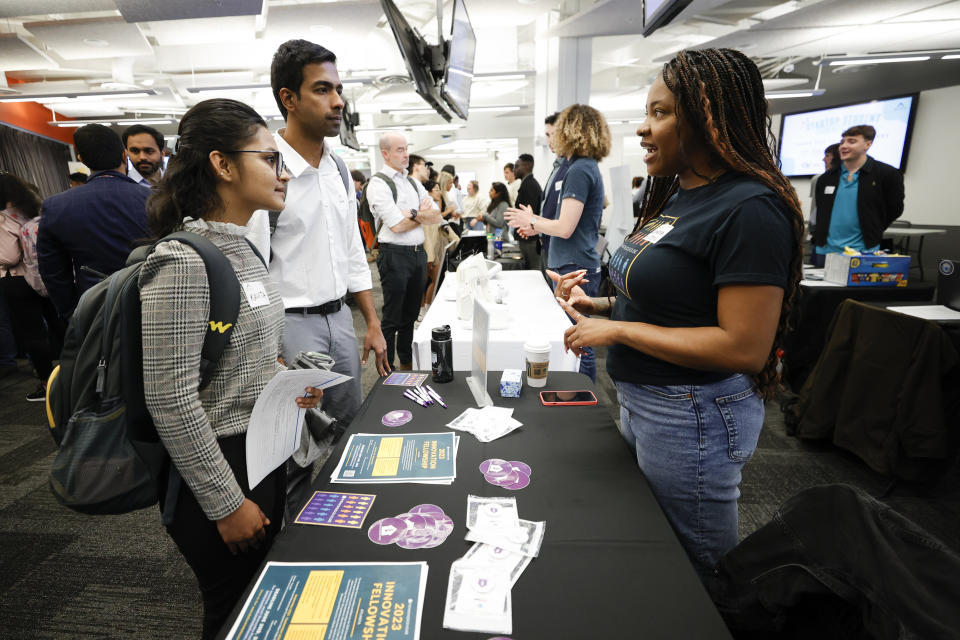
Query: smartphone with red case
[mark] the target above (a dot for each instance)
(567, 398)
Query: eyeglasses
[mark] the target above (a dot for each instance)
(275, 157)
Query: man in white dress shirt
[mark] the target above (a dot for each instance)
(315, 253)
(402, 262)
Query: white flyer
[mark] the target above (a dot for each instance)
(488, 555)
(275, 424)
(478, 599)
(492, 513)
(525, 538)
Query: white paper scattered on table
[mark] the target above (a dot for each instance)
(928, 312)
(275, 424)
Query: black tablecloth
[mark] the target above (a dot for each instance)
(610, 565)
(811, 316)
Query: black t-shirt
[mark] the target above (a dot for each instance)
(733, 231)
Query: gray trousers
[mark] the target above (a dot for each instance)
(334, 335)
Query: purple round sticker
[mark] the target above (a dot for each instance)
(444, 525)
(495, 467)
(414, 542)
(414, 521)
(504, 481)
(522, 481)
(428, 509)
(522, 467)
(396, 418)
(387, 530)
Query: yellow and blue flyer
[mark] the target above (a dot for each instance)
(428, 458)
(334, 601)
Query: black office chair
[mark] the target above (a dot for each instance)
(900, 245)
(948, 284)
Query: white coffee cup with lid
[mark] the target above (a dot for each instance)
(537, 356)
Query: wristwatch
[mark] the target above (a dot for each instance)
(413, 214)
(533, 221)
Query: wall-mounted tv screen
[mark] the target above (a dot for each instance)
(459, 72)
(417, 57)
(805, 134)
(348, 127)
(657, 13)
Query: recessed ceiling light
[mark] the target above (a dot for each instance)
(96, 42)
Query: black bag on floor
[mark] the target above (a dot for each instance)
(110, 458)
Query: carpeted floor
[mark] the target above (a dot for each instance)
(66, 575)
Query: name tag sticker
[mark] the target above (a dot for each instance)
(657, 234)
(558, 185)
(256, 294)
(829, 190)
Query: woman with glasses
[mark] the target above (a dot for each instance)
(227, 166)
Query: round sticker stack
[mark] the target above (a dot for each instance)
(511, 475)
(423, 527)
(396, 418)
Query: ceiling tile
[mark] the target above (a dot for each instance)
(202, 30)
(880, 38)
(151, 10)
(19, 55)
(847, 13)
(764, 43)
(77, 39)
(16, 8)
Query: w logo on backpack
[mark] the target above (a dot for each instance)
(220, 327)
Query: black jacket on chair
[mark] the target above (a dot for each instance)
(879, 201)
(836, 564)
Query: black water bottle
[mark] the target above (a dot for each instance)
(441, 354)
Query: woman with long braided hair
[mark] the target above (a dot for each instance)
(704, 287)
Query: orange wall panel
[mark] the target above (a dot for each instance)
(34, 117)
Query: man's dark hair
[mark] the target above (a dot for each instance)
(509, 165)
(286, 71)
(99, 147)
(552, 118)
(526, 158)
(142, 128)
(413, 160)
(78, 176)
(834, 152)
(865, 130)
(357, 175)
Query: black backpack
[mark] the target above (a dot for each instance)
(110, 458)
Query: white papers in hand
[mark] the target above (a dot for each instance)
(275, 424)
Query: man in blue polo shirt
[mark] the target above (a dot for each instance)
(87, 233)
(857, 200)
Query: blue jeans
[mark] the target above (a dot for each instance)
(588, 363)
(691, 442)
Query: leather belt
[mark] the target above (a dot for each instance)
(415, 248)
(324, 309)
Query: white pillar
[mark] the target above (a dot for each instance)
(563, 78)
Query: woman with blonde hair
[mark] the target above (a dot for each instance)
(580, 135)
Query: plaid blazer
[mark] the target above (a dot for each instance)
(175, 303)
